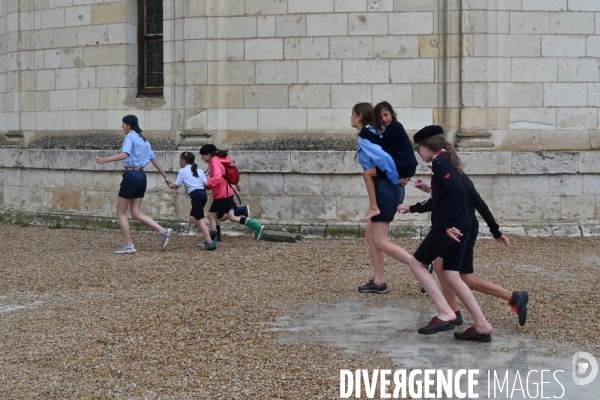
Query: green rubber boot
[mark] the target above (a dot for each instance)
(255, 226)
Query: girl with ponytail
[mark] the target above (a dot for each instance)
(223, 207)
(451, 227)
(194, 185)
(136, 153)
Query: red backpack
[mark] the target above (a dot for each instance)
(232, 174)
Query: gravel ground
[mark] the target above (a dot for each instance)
(190, 324)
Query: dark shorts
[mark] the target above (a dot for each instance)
(439, 244)
(467, 264)
(222, 206)
(133, 185)
(198, 198)
(389, 197)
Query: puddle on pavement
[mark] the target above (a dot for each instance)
(5, 307)
(391, 328)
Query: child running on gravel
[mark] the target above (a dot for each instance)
(223, 206)
(194, 185)
(517, 300)
(390, 136)
(448, 237)
(136, 153)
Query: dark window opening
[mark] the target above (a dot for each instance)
(150, 45)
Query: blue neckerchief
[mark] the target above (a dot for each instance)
(372, 129)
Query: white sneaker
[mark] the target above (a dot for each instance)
(165, 237)
(126, 249)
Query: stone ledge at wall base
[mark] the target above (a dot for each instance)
(280, 232)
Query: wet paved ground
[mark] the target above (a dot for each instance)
(267, 320)
(390, 328)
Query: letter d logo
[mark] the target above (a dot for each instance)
(580, 368)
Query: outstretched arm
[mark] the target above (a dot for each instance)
(159, 168)
(481, 207)
(118, 157)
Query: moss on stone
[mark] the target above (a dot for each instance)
(298, 144)
(93, 141)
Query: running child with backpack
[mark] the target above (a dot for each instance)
(222, 174)
(194, 185)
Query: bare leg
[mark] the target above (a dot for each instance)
(376, 255)
(445, 312)
(122, 206)
(232, 217)
(486, 287)
(137, 214)
(466, 296)
(368, 176)
(382, 243)
(438, 266)
(212, 220)
(202, 225)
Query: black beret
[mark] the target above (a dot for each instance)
(427, 132)
(207, 149)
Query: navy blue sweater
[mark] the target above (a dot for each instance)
(447, 202)
(394, 141)
(474, 203)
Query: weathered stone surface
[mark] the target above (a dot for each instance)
(266, 184)
(262, 162)
(320, 161)
(588, 162)
(278, 208)
(578, 208)
(314, 209)
(545, 163)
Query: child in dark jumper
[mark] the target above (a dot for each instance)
(448, 237)
(394, 141)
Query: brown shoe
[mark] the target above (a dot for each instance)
(436, 325)
(472, 335)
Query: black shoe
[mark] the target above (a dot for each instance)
(436, 325)
(430, 270)
(458, 321)
(519, 305)
(373, 287)
(206, 246)
(243, 211)
(471, 334)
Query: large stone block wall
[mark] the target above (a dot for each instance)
(532, 79)
(526, 71)
(526, 191)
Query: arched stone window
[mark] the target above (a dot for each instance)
(150, 47)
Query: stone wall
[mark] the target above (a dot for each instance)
(537, 193)
(241, 69)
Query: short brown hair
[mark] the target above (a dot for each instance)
(365, 112)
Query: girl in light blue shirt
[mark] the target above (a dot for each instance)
(136, 153)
